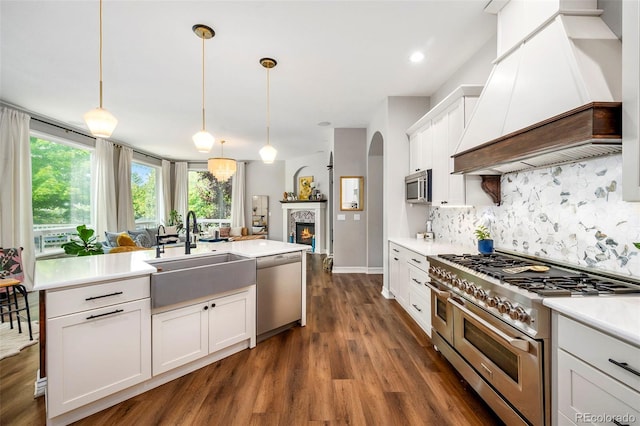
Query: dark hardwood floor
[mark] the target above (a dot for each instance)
(360, 360)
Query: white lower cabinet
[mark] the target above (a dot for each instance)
(407, 277)
(94, 353)
(420, 298)
(591, 387)
(185, 334)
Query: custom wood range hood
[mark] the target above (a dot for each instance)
(591, 130)
(553, 95)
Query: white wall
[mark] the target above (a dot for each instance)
(475, 71)
(266, 179)
(375, 204)
(311, 165)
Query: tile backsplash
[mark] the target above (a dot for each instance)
(572, 213)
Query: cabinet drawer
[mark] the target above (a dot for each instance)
(92, 296)
(600, 350)
(417, 280)
(420, 309)
(418, 260)
(396, 251)
(588, 396)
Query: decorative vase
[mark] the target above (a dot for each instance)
(485, 246)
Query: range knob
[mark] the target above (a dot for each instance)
(480, 294)
(505, 307)
(493, 301)
(519, 314)
(470, 289)
(432, 269)
(457, 282)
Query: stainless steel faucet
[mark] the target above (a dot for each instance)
(160, 241)
(187, 244)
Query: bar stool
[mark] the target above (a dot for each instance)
(11, 275)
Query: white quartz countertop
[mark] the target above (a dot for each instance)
(429, 248)
(618, 316)
(69, 271)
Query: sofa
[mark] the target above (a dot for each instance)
(143, 238)
(242, 234)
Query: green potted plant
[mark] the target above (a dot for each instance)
(175, 220)
(86, 245)
(485, 243)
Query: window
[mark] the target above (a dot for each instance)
(209, 199)
(144, 191)
(61, 190)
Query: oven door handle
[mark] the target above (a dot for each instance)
(513, 341)
(437, 290)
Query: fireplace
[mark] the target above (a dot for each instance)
(304, 232)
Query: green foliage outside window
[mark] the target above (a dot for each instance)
(144, 192)
(209, 198)
(61, 183)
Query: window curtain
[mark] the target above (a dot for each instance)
(105, 217)
(237, 196)
(125, 216)
(16, 213)
(165, 190)
(181, 198)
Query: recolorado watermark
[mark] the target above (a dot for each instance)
(605, 418)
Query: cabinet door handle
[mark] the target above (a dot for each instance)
(213, 305)
(395, 258)
(117, 293)
(117, 311)
(396, 250)
(625, 366)
(444, 202)
(206, 307)
(417, 308)
(416, 260)
(416, 281)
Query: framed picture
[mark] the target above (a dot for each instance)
(304, 187)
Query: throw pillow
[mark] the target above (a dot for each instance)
(224, 232)
(141, 237)
(112, 238)
(11, 264)
(235, 231)
(124, 239)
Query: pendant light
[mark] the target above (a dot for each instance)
(268, 153)
(100, 122)
(221, 168)
(203, 140)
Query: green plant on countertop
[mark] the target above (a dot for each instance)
(86, 245)
(482, 233)
(637, 245)
(175, 219)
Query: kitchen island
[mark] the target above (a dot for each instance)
(104, 341)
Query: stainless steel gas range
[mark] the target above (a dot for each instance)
(488, 320)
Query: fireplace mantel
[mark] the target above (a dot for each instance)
(319, 209)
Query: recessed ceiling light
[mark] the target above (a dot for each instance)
(416, 57)
(324, 123)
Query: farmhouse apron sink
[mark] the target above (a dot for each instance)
(181, 280)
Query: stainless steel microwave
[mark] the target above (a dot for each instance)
(418, 187)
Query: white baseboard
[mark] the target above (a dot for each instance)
(40, 385)
(349, 269)
(386, 293)
(377, 270)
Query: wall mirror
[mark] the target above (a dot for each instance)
(259, 213)
(351, 193)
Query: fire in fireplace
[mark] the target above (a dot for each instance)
(304, 232)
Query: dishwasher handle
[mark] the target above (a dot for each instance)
(278, 259)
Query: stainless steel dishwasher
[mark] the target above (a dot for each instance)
(279, 293)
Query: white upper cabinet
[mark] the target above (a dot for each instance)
(438, 133)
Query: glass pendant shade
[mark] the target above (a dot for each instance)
(203, 141)
(221, 168)
(100, 122)
(268, 154)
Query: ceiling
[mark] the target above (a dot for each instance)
(337, 62)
